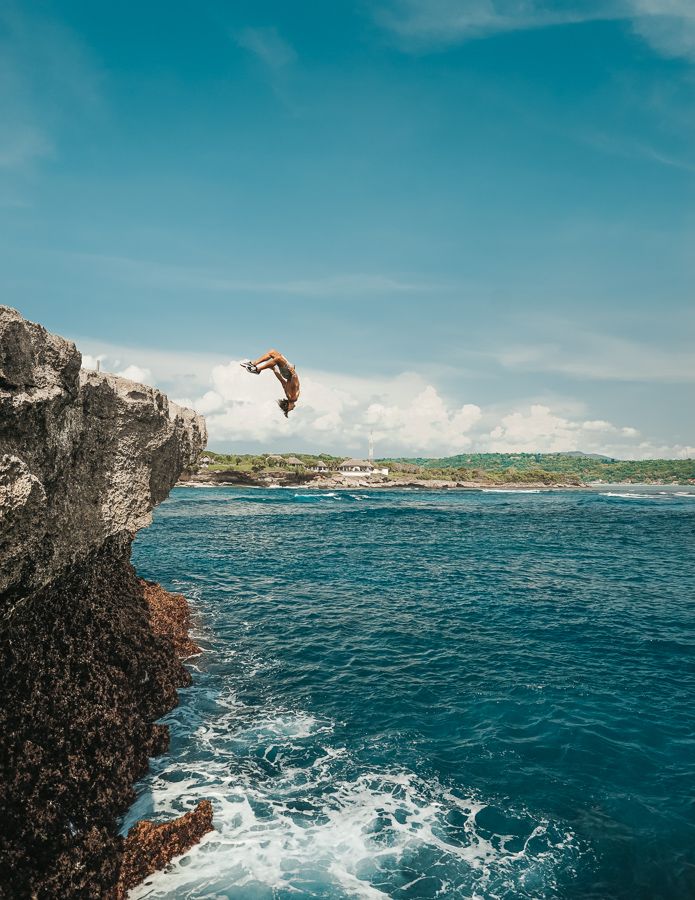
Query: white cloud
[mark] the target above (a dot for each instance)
(183, 374)
(450, 21)
(407, 414)
(424, 423)
(136, 373)
(268, 45)
(91, 362)
(243, 408)
(667, 25)
(539, 429)
(598, 425)
(650, 450)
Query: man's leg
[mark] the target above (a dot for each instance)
(268, 357)
(270, 360)
(267, 361)
(270, 364)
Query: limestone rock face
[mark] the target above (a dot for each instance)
(83, 455)
(89, 654)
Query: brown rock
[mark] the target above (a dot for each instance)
(170, 617)
(150, 847)
(83, 676)
(88, 662)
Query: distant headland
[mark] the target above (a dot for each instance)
(470, 470)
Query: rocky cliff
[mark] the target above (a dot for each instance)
(86, 664)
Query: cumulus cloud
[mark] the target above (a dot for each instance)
(539, 429)
(407, 414)
(91, 362)
(133, 372)
(180, 374)
(136, 373)
(424, 423)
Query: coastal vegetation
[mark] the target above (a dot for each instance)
(493, 468)
(585, 467)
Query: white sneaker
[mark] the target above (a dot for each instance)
(249, 366)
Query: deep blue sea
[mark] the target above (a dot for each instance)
(430, 694)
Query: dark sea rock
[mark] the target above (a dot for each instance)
(150, 847)
(89, 654)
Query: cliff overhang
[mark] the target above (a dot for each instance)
(86, 665)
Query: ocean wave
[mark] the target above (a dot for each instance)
(511, 491)
(625, 495)
(317, 497)
(294, 813)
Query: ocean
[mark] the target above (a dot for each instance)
(417, 694)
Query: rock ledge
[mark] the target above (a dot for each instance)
(89, 654)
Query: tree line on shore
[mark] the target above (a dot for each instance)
(495, 468)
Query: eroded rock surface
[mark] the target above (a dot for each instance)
(87, 661)
(150, 846)
(83, 455)
(170, 617)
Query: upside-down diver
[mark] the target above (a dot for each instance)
(285, 374)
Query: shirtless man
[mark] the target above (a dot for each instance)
(285, 374)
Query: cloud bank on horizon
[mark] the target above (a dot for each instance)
(406, 415)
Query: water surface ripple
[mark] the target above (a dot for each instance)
(430, 694)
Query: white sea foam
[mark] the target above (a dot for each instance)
(317, 496)
(294, 813)
(511, 490)
(625, 495)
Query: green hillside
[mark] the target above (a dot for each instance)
(494, 468)
(583, 467)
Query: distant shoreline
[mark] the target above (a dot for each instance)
(431, 485)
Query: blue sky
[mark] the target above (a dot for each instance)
(469, 224)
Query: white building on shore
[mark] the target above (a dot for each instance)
(363, 467)
(355, 467)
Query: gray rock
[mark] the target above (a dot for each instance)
(83, 455)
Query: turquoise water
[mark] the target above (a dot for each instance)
(429, 694)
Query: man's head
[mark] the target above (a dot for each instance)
(286, 406)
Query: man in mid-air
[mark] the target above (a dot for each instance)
(285, 374)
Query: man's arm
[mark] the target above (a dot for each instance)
(279, 377)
